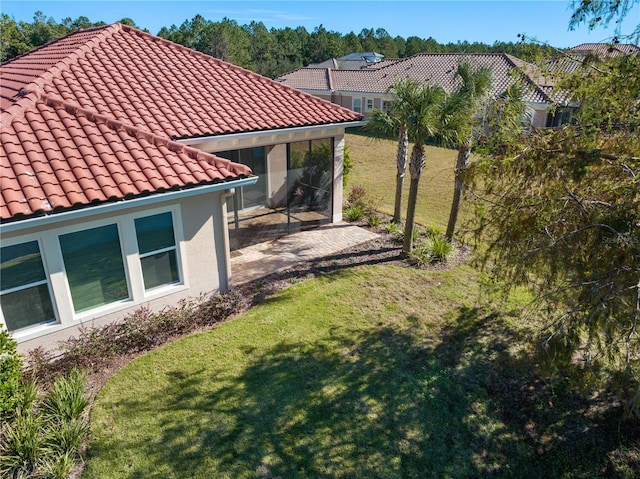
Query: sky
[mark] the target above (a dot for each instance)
(446, 21)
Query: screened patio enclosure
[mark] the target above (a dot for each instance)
(293, 192)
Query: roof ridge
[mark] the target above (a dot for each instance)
(54, 41)
(527, 75)
(74, 56)
(36, 87)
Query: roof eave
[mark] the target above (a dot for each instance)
(54, 217)
(198, 142)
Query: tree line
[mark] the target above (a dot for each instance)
(269, 52)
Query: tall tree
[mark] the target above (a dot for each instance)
(602, 12)
(459, 120)
(563, 218)
(422, 124)
(395, 122)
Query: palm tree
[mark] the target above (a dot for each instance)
(394, 122)
(459, 114)
(422, 124)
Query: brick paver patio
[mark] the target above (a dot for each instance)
(257, 261)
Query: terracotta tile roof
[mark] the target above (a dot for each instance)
(437, 69)
(55, 157)
(91, 117)
(171, 90)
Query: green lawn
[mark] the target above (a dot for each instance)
(369, 372)
(374, 168)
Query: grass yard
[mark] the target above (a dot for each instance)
(374, 168)
(368, 372)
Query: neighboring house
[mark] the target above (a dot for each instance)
(365, 89)
(131, 166)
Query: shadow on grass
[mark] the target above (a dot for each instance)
(381, 404)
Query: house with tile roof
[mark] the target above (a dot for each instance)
(365, 89)
(131, 167)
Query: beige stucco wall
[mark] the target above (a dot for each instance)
(200, 224)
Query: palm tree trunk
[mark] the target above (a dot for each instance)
(415, 169)
(403, 147)
(464, 153)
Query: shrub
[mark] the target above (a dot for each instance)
(432, 231)
(45, 439)
(66, 401)
(374, 220)
(354, 213)
(10, 374)
(347, 165)
(391, 228)
(22, 447)
(140, 331)
(357, 197)
(432, 250)
(397, 232)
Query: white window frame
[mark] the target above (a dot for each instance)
(131, 261)
(104, 308)
(357, 109)
(369, 102)
(176, 246)
(30, 239)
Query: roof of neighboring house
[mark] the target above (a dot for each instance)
(93, 116)
(439, 69)
(606, 49)
(352, 61)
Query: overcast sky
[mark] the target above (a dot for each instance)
(445, 21)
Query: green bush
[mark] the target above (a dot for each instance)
(374, 220)
(10, 375)
(66, 401)
(432, 231)
(433, 250)
(45, 437)
(347, 165)
(391, 227)
(354, 213)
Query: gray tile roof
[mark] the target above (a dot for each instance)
(438, 69)
(606, 49)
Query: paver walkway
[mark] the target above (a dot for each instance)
(262, 259)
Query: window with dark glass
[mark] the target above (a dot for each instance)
(24, 290)
(157, 250)
(94, 266)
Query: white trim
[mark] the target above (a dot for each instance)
(59, 290)
(353, 104)
(368, 109)
(267, 133)
(55, 217)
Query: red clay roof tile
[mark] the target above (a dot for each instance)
(90, 118)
